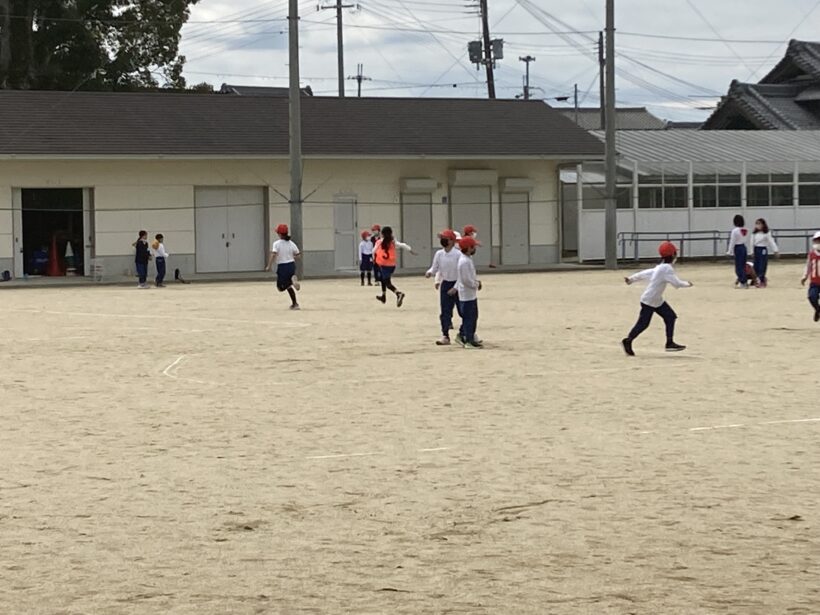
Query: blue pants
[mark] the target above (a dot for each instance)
(741, 254)
(448, 302)
(665, 311)
(160, 270)
(761, 263)
(469, 317)
(142, 272)
(814, 296)
(284, 276)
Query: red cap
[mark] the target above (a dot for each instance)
(282, 229)
(468, 242)
(376, 227)
(667, 249)
(469, 230)
(448, 234)
(365, 234)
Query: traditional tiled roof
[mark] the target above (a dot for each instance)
(802, 60)
(626, 118)
(765, 107)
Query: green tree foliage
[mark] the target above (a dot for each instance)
(91, 44)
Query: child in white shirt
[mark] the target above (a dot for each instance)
(467, 287)
(160, 259)
(366, 258)
(764, 244)
(285, 252)
(652, 301)
(739, 248)
(445, 270)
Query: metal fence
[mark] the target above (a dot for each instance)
(718, 239)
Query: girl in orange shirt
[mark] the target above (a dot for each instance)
(384, 254)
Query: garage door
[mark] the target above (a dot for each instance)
(515, 228)
(230, 229)
(417, 229)
(473, 205)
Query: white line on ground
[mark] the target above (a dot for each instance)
(176, 362)
(170, 372)
(739, 425)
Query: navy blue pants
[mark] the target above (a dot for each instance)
(647, 311)
(448, 303)
(814, 296)
(284, 276)
(142, 272)
(469, 317)
(160, 270)
(741, 254)
(761, 263)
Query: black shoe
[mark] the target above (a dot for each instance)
(673, 347)
(381, 298)
(460, 340)
(473, 345)
(627, 344)
(816, 315)
(399, 299)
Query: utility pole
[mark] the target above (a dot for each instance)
(527, 60)
(340, 43)
(602, 78)
(295, 117)
(360, 77)
(488, 51)
(611, 218)
(576, 104)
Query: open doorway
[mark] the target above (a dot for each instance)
(53, 221)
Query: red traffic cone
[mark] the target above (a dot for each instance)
(53, 268)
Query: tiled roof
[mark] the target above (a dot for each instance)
(626, 118)
(216, 125)
(802, 60)
(765, 107)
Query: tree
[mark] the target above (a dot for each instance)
(91, 44)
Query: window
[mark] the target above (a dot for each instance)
(810, 195)
(757, 196)
(782, 196)
(729, 196)
(650, 197)
(675, 197)
(705, 196)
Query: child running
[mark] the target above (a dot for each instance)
(445, 269)
(160, 258)
(366, 258)
(764, 244)
(385, 257)
(813, 274)
(285, 252)
(467, 287)
(652, 301)
(739, 248)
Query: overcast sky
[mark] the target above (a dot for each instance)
(419, 48)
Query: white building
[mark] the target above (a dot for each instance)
(210, 172)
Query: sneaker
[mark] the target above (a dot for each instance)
(295, 307)
(673, 347)
(816, 315)
(295, 281)
(460, 340)
(627, 344)
(381, 298)
(473, 345)
(444, 341)
(399, 299)
(477, 340)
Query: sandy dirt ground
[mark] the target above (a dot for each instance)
(202, 450)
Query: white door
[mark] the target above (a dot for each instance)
(417, 229)
(88, 229)
(211, 230)
(473, 205)
(344, 224)
(515, 229)
(246, 238)
(17, 223)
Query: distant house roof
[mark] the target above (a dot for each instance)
(683, 125)
(251, 90)
(785, 99)
(215, 125)
(626, 118)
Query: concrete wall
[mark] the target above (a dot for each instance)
(158, 195)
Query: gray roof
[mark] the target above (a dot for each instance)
(719, 146)
(253, 90)
(764, 106)
(215, 125)
(626, 118)
(802, 59)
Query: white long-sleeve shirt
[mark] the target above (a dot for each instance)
(467, 282)
(445, 265)
(739, 237)
(160, 251)
(658, 278)
(365, 248)
(765, 240)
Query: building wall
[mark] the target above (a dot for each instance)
(158, 195)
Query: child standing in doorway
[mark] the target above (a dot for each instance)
(445, 270)
(813, 274)
(466, 288)
(764, 245)
(739, 248)
(285, 252)
(652, 301)
(366, 258)
(141, 258)
(384, 254)
(160, 258)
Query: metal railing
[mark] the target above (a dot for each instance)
(718, 239)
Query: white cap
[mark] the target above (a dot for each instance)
(816, 236)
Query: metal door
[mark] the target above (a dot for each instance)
(344, 224)
(246, 238)
(473, 205)
(211, 230)
(88, 230)
(417, 229)
(515, 229)
(17, 224)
